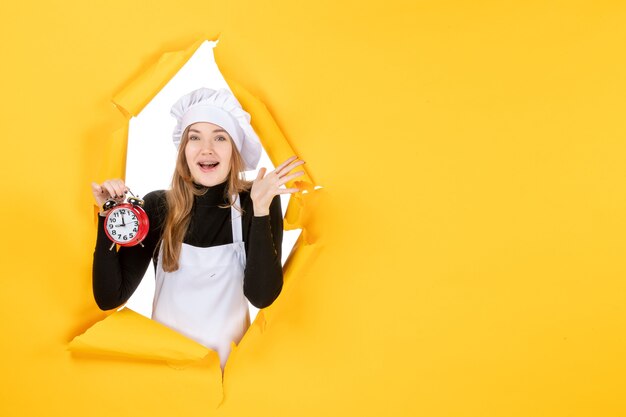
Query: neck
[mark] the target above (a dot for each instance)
(213, 195)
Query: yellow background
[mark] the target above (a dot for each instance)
(464, 257)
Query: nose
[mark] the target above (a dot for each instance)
(207, 146)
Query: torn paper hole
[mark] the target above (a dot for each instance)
(145, 339)
(132, 100)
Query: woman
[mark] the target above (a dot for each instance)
(215, 239)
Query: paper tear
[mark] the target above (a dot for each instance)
(128, 334)
(275, 143)
(139, 92)
(113, 162)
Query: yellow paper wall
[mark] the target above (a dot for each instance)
(467, 255)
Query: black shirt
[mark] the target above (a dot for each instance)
(117, 274)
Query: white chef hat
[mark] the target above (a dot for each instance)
(219, 107)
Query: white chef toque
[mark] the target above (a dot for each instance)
(219, 107)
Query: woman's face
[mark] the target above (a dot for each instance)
(208, 152)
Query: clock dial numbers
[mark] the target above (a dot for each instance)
(126, 225)
(118, 229)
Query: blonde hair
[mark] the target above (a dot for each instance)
(180, 198)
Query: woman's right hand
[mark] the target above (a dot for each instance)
(110, 189)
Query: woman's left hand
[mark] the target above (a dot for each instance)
(265, 187)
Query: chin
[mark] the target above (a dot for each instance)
(210, 182)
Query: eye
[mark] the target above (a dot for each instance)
(221, 138)
(193, 137)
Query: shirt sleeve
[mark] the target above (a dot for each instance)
(263, 276)
(116, 274)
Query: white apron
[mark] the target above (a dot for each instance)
(204, 298)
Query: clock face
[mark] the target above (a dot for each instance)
(122, 225)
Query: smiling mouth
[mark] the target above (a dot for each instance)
(207, 167)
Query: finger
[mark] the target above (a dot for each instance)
(99, 193)
(289, 177)
(284, 164)
(117, 190)
(110, 191)
(288, 190)
(96, 188)
(120, 188)
(290, 167)
(261, 173)
(114, 188)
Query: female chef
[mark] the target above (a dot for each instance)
(214, 238)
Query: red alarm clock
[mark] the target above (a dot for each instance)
(126, 224)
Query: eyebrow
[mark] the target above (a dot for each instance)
(215, 131)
